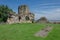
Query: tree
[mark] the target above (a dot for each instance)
(4, 11)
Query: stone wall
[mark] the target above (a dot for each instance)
(23, 16)
(24, 13)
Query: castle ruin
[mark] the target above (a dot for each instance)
(23, 16)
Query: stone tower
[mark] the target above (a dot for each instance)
(23, 9)
(24, 15)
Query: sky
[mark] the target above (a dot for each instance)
(41, 8)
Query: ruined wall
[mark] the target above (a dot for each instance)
(12, 18)
(24, 14)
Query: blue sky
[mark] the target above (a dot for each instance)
(48, 8)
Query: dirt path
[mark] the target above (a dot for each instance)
(44, 32)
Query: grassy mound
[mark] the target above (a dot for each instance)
(26, 32)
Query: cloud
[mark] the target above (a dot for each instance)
(37, 16)
(50, 10)
(52, 14)
(48, 4)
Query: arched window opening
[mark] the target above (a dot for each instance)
(27, 18)
(32, 20)
(19, 18)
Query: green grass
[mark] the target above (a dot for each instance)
(27, 31)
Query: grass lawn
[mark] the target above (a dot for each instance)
(27, 31)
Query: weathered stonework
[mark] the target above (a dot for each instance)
(23, 16)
